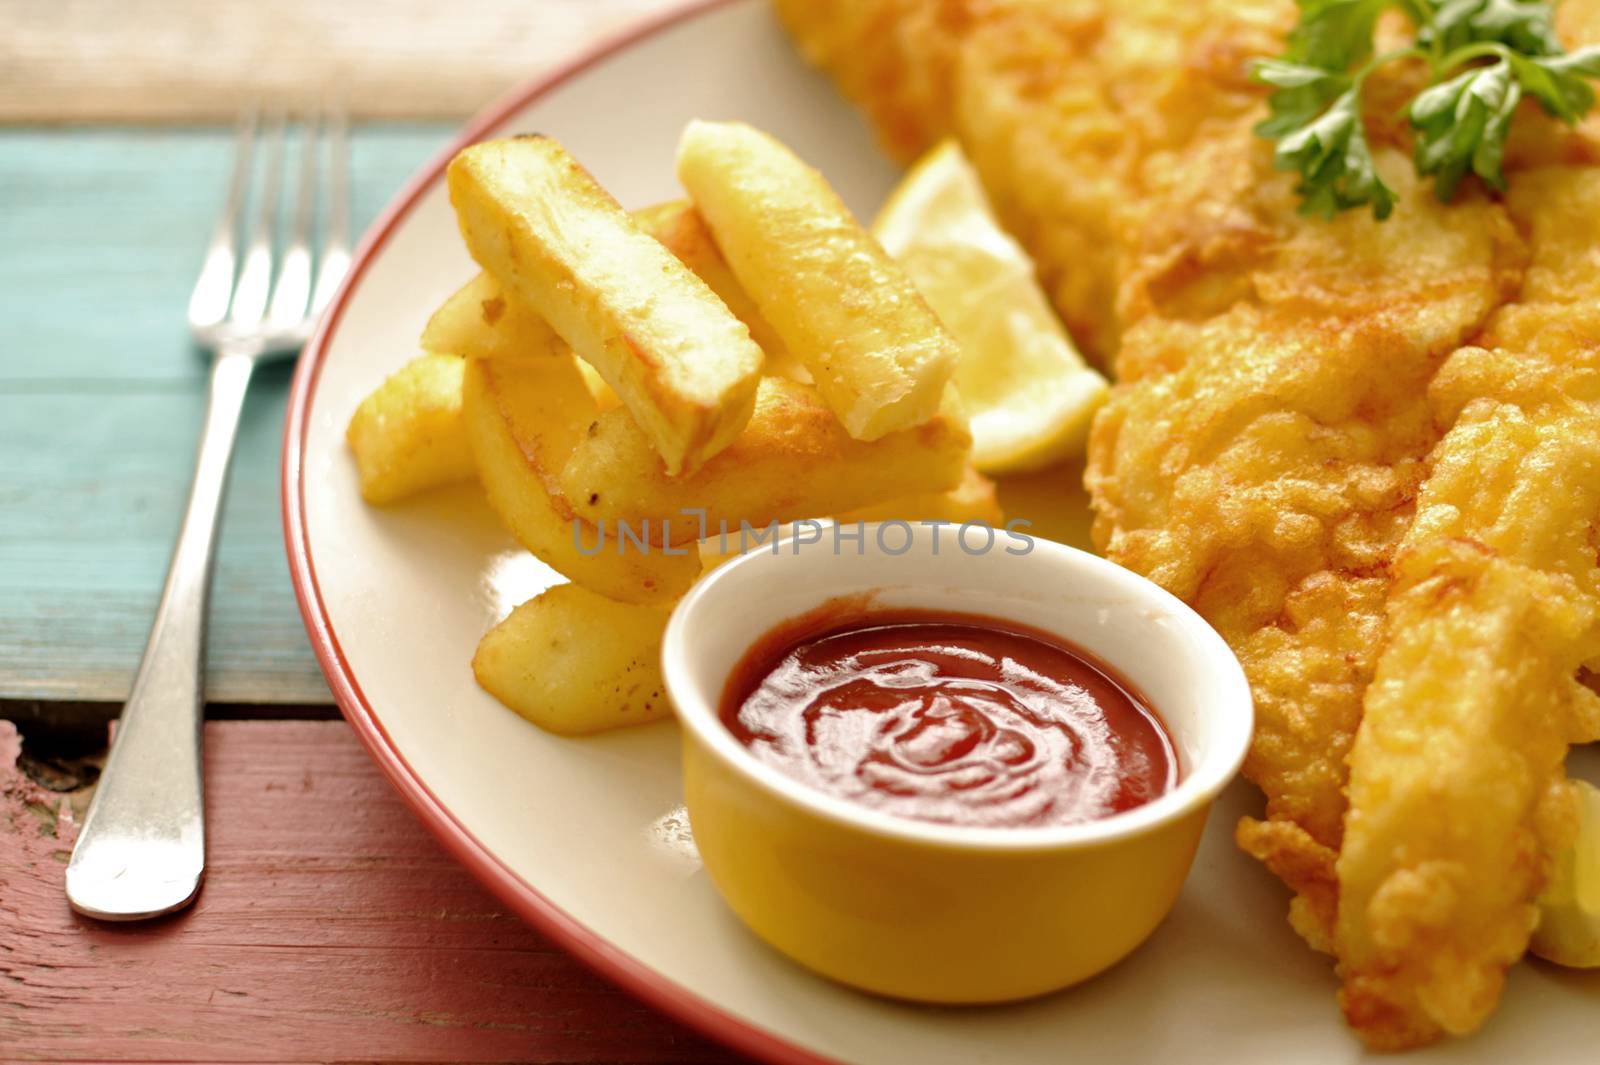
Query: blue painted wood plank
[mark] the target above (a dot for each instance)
(100, 400)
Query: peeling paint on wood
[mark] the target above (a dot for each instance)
(331, 928)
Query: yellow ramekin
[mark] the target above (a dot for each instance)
(940, 913)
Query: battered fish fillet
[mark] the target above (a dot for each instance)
(1301, 404)
(1457, 797)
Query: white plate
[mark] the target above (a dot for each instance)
(586, 838)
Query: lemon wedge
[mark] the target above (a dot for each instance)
(1027, 390)
(1569, 910)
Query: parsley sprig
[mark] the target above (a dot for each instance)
(1483, 57)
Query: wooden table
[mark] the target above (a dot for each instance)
(331, 927)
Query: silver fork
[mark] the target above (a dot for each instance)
(142, 849)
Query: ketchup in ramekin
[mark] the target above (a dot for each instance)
(949, 718)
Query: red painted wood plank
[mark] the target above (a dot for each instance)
(331, 928)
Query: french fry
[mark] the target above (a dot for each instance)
(794, 460)
(407, 435)
(479, 321)
(679, 226)
(974, 499)
(540, 225)
(574, 662)
(482, 320)
(878, 354)
(523, 418)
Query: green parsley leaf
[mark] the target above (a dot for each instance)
(1484, 57)
(1336, 166)
(1524, 26)
(1559, 82)
(1304, 92)
(1334, 34)
(1461, 125)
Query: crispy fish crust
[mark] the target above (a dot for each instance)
(1457, 797)
(1292, 445)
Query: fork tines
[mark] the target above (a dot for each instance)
(271, 295)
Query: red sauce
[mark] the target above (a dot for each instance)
(950, 718)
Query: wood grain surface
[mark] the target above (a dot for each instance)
(100, 402)
(331, 928)
(167, 60)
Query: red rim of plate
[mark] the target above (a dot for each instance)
(605, 957)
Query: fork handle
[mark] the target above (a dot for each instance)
(142, 848)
